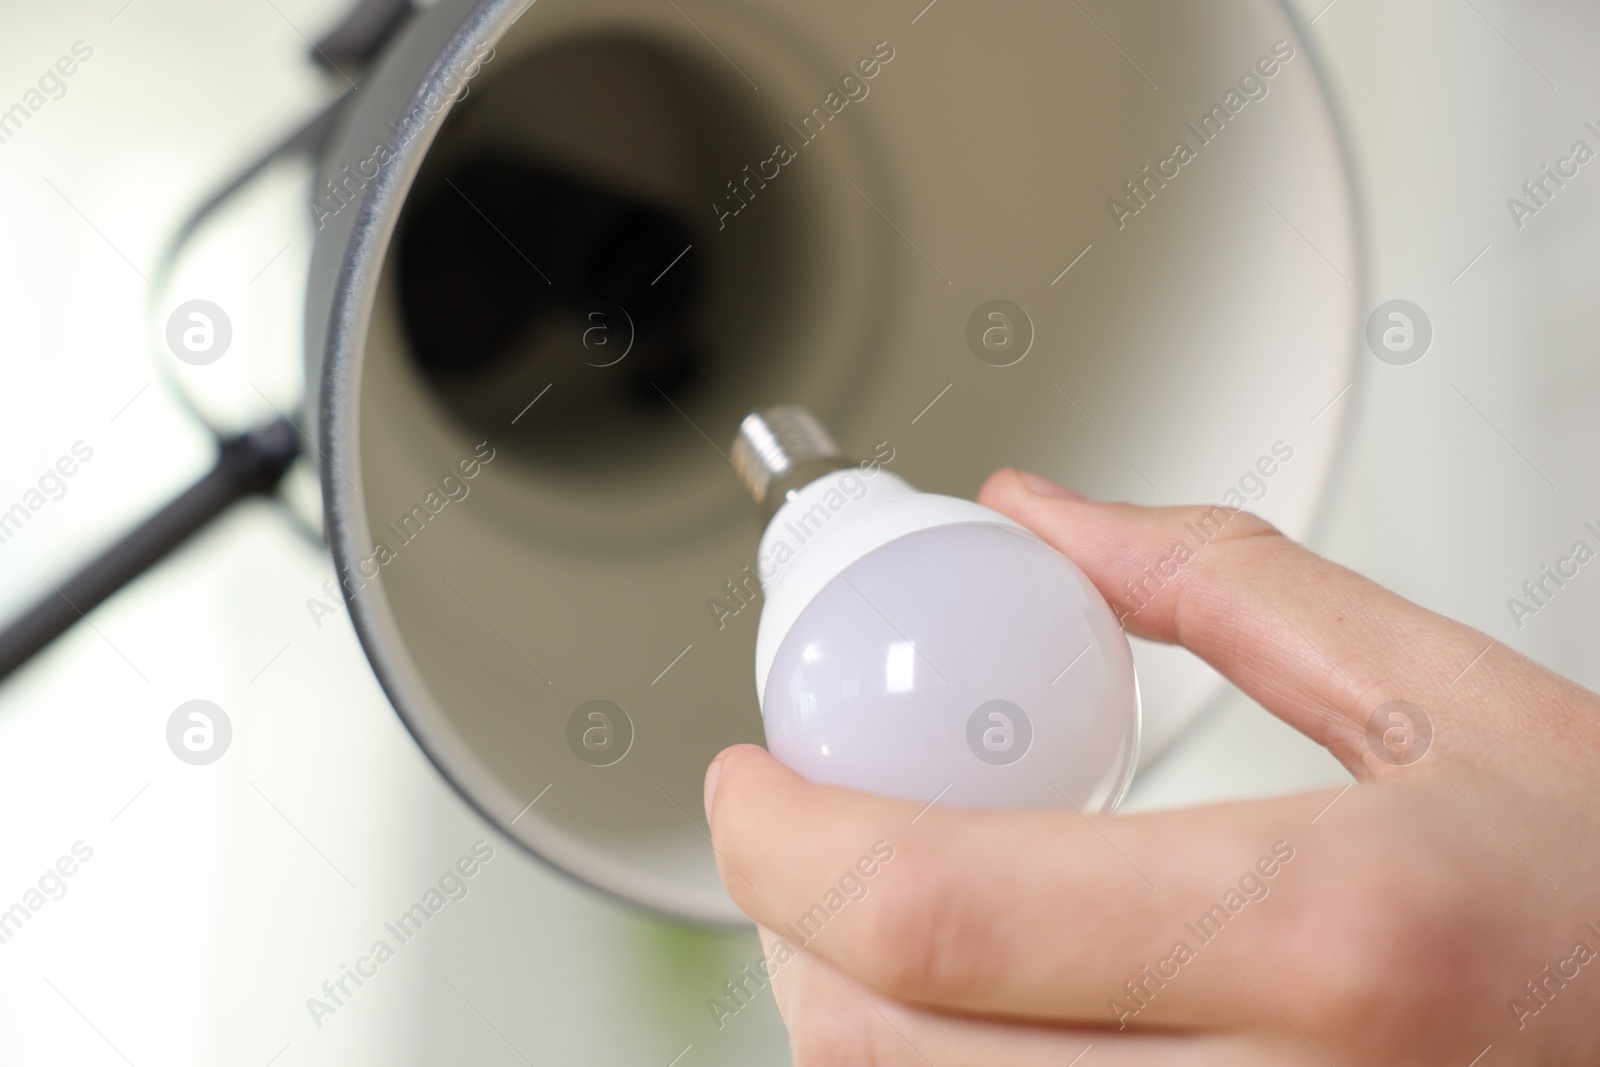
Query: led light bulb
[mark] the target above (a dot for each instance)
(922, 646)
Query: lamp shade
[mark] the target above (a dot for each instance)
(564, 247)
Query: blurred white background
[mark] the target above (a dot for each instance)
(219, 899)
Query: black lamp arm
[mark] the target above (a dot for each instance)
(246, 465)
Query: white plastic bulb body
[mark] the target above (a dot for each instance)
(925, 647)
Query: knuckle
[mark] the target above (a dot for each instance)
(1358, 945)
(1225, 544)
(1380, 950)
(818, 1038)
(1217, 524)
(830, 1025)
(926, 938)
(840, 1039)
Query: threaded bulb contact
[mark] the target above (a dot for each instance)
(775, 443)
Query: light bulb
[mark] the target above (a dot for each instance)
(925, 647)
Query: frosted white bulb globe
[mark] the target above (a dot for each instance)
(922, 646)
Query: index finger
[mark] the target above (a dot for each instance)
(1319, 646)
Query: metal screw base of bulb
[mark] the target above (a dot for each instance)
(780, 450)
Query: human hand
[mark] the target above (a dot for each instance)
(1444, 911)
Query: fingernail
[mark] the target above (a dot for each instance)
(713, 773)
(1045, 487)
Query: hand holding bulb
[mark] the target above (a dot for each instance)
(926, 647)
(1443, 911)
